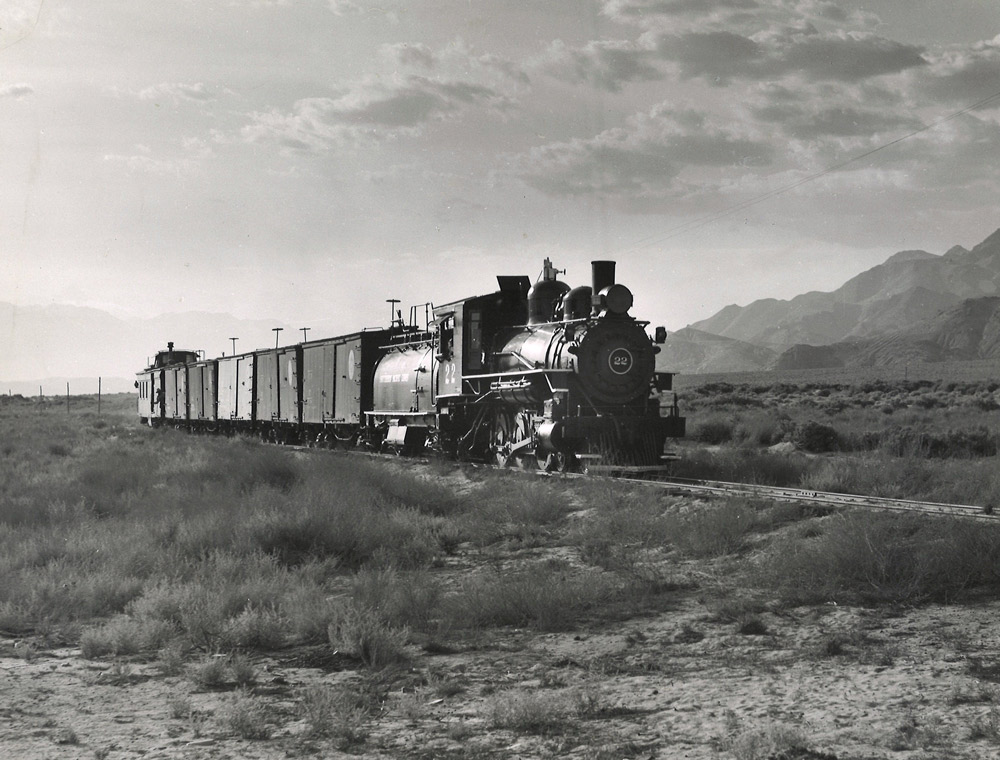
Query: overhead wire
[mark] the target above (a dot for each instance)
(709, 218)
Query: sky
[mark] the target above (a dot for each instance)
(305, 160)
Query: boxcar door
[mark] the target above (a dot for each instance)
(267, 386)
(314, 385)
(228, 388)
(347, 404)
(196, 387)
(245, 389)
(288, 384)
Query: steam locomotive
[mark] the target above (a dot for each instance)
(534, 375)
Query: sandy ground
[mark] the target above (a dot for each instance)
(820, 682)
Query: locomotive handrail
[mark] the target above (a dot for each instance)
(536, 371)
(517, 356)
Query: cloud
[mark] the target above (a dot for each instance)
(411, 103)
(717, 56)
(605, 64)
(371, 112)
(411, 54)
(18, 91)
(846, 56)
(963, 75)
(643, 158)
(653, 14)
(801, 51)
(810, 40)
(457, 61)
(177, 92)
(146, 164)
(644, 11)
(426, 86)
(816, 112)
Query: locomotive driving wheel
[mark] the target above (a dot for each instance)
(557, 461)
(511, 438)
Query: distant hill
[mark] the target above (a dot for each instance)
(695, 351)
(968, 331)
(909, 287)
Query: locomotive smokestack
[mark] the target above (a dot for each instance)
(170, 345)
(603, 275)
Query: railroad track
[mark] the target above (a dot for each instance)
(824, 498)
(654, 478)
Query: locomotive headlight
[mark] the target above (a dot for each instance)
(617, 299)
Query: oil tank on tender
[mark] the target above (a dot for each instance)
(403, 404)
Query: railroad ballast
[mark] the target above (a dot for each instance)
(542, 375)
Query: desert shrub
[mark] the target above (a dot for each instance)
(246, 716)
(210, 673)
(348, 521)
(986, 726)
(253, 628)
(330, 713)
(123, 635)
(546, 596)
(407, 489)
(772, 740)
(241, 669)
(908, 441)
(624, 531)
(524, 502)
(246, 465)
(815, 437)
(508, 508)
(743, 465)
(307, 611)
(110, 480)
(957, 480)
(881, 558)
(363, 633)
(752, 625)
(61, 591)
(712, 431)
(712, 531)
(402, 599)
(528, 712)
(760, 429)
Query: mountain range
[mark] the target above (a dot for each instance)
(49, 346)
(916, 306)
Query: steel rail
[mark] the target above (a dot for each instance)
(725, 488)
(824, 498)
